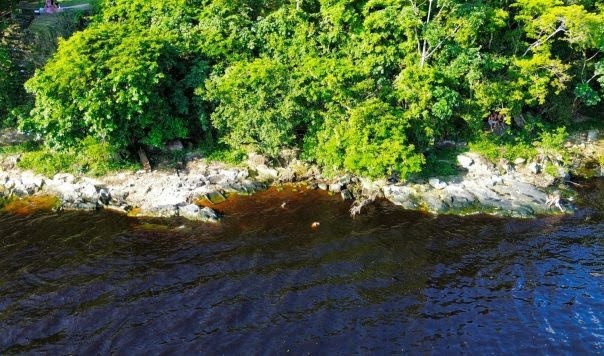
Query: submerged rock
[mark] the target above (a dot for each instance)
(160, 211)
(195, 213)
(215, 197)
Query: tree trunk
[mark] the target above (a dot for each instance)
(143, 159)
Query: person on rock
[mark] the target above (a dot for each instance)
(51, 7)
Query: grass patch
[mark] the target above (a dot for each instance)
(526, 143)
(441, 162)
(494, 149)
(225, 154)
(91, 157)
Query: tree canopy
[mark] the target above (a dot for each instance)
(368, 87)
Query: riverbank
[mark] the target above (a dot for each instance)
(519, 189)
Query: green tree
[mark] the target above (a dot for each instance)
(110, 83)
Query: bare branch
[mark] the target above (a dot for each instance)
(442, 41)
(590, 79)
(592, 57)
(424, 50)
(539, 42)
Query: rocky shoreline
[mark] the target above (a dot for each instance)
(518, 189)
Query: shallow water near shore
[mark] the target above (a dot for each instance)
(264, 281)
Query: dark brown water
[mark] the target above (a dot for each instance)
(264, 282)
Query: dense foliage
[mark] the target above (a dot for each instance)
(369, 87)
(8, 74)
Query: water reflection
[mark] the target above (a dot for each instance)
(263, 281)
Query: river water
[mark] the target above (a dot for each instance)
(264, 281)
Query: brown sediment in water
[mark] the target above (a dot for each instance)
(282, 197)
(31, 205)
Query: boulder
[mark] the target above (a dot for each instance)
(217, 178)
(288, 155)
(286, 174)
(465, 160)
(88, 192)
(266, 173)
(249, 187)
(485, 196)
(456, 196)
(104, 197)
(254, 160)
(215, 197)
(31, 182)
(401, 195)
(433, 202)
(335, 187)
(534, 167)
(346, 194)
(195, 213)
(475, 163)
(10, 162)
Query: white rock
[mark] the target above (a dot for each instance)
(64, 177)
(534, 167)
(465, 161)
(436, 183)
(194, 212)
(519, 161)
(88, 192)
(30, 180)
(335, 187)
(496, 180)
(266, 172)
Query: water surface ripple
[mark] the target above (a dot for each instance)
(263, 281)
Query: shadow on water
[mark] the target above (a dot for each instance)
(264, 281)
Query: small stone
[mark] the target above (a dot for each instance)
(104, 197)
(518, 161)
(436, 183)
(322, 186)
(209, 215)
(534, 167)
(592, 135)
